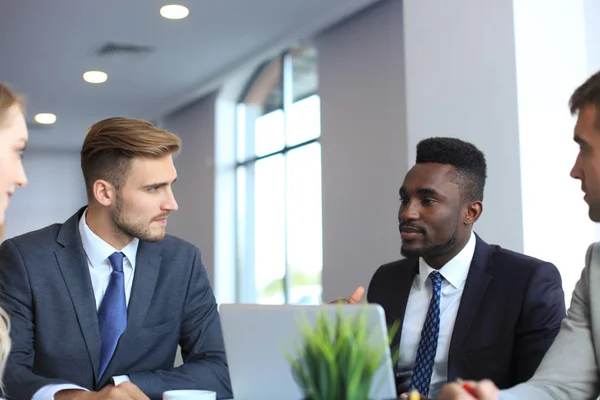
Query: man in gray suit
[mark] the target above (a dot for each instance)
(99, 304)
(569, 370)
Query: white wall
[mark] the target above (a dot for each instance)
(591, 9)
(55, 191)
(363, 138)
(461, 82)
(195, 186)
(551, 62)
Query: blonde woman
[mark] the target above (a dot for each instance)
(13, 140)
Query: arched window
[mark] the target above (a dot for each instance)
(278, 190)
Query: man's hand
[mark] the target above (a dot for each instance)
(483, 390)
(416, 395)
(355, 298)
(125, 391)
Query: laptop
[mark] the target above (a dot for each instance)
(257, 337)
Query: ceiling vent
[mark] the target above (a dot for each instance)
(123, 49)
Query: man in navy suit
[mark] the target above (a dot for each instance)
(99, 303)
(467, 309)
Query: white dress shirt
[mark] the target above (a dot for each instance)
(455, 275)
(98, 251)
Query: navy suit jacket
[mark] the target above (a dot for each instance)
(46, 289)
(510, 312)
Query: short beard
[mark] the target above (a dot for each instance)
(432, 250)
(120, 221)
(594, 211)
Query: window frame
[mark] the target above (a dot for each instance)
(244, 257)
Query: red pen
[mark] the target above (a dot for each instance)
(468, 388)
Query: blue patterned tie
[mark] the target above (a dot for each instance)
(112, 314)
(421, 377)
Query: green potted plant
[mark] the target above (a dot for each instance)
(336, 359)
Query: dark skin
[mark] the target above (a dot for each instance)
(434, 221)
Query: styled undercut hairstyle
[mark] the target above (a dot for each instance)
(588, 94)
(111, 144)
(469, 161)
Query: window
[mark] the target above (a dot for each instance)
(278, 174)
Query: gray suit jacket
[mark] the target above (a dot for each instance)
(569, 370)
(46, 288)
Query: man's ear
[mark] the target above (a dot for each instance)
(104, 193)
(473, 212)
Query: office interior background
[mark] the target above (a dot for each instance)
(299, 120)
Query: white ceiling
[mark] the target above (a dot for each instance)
(46, 45)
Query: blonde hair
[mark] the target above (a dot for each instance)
(7, 100)
(111, 144)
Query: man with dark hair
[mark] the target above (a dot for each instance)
(468, 160)
(570, 369)
(467, 309)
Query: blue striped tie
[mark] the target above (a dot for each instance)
(112, 314)
(421, 377)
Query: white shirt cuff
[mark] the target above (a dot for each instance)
(47, 392)
(117, 380)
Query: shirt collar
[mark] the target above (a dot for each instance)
(456, 270)
(98, 250)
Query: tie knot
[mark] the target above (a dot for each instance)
(436, 278)
(116, 260)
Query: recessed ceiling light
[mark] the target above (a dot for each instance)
(95, 77)
(174, 11)
(45, 118)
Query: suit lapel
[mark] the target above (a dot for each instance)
(144, 281)
(475, 287)
(73, 265)
(399, 298)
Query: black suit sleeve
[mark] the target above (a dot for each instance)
(371, 296)
(377, 287)
(17, 299)
(539, 322)
(201, 340)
